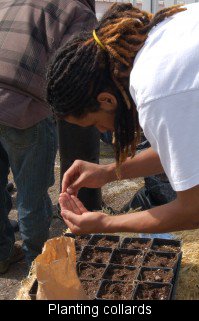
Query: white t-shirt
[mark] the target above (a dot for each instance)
(164, 84)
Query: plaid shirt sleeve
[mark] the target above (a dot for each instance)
(30, 31)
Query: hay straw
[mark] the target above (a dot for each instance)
(26, 284)
(188, 285)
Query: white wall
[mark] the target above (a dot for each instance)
(157, 5)
(148, 5)
(101, 7)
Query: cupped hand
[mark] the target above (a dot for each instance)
(79, 220)
(71, 203)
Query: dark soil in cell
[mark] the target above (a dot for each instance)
(82, 240)
(95, 255)
(116, 291)
(125, 274)
(150, 292)
(89, 271)
(104, 241)
(90, 288)
(134, 245)
(78, 252)
(127, 259)
(160, 260)
(159, 275)
(166, 248)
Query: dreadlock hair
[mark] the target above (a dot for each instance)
(81, 69)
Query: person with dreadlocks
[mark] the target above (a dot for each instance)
(134, 70)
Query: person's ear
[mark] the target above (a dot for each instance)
(107, 101)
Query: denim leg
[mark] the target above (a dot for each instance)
(7, 237)
(32, 154)
(85, 145)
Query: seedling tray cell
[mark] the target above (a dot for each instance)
(96, 254)
(114, 290)
(136, 243)
(93, 271)
(121, 273)
(91, 287)
(164, 275)
(153, 291)
(78, 252)
(161, 259)
(101, 240)
(80, 240)
(164, 245)
(127, 257)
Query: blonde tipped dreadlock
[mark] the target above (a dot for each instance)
(94, 62)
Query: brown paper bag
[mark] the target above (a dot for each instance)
(56, 271)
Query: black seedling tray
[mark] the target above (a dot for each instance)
(111, 273)
(92, 267)
(176, 275)
(80, 240)
(159, 273)
(136, 243)
(127, 257)
(141, 287)
(89, 251)
(112, 240)
(89, 287)
(164, 257)
(161, 245)
(145, 248)
(78, 252)
(120, 287)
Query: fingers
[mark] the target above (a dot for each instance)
(71, 203)
(71, 206)
(79, 204)
(76, 185)
(74, 229)
(74, 219)
(69, 177)
(63, 201)
(88, 222)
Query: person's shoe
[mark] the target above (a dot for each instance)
(17, 255)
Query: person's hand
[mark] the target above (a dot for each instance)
(79, 220)
(85, 174)
(71, 203)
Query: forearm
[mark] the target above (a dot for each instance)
(167, 218)
(143, 164)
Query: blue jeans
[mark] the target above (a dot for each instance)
(31, 155)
